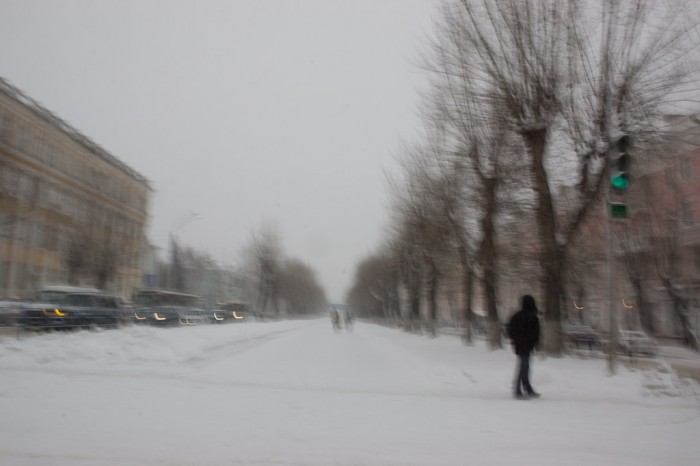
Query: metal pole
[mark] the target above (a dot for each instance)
(612, 341)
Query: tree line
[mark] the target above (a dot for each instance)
(527, 104)
(271, 282)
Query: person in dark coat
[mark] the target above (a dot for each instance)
(335, 320)
(524, 332)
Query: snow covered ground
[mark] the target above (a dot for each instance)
(296, 393)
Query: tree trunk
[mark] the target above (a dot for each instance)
(413, 289)
(680, 307)
(645, 317)
(536, 142)
(467, 285)
(488, 256)
(432, 284)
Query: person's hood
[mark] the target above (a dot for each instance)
(529, 305)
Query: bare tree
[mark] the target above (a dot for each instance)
(517, 52)
(423, 231)
(266, 256)
(177, 272)
(299, 288)
(623, 80)
(374, 292)
(471, 117)
(536, 61)
(457, 210)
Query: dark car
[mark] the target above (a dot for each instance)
(9, 312)
(46, 316)
(72, 310)
(162, 316)
(580, 336)
(93, 309)
(168, 316)
(232, 311)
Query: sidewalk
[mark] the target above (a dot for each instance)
(683, 360)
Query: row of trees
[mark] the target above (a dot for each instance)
(525, 97)
(273, 283)
(283, 285)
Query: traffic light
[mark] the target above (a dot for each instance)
(619, 165)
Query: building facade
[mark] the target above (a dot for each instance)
(641, 272)
(70, 212)
(645, 268)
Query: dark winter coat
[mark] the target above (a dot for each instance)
(524, 328)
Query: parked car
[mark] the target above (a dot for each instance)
(93, 309)
(580, 336)
(57, 293)
(168, 316)
(9, 312)
(71, 308)
(633, 342)
(232, 311)
(194, 316)
(46, 316)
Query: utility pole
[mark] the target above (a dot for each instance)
(612, 341)
(618, 170)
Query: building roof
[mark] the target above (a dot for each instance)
(17, 95)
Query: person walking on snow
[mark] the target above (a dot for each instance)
(524, 332)
(335, 320)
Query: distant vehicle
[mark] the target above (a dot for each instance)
(633, 342)
(168, 316)
(168, 308)
(580, 336)
(231, 311)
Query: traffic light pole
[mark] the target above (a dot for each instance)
(618, 173)
(612, 341)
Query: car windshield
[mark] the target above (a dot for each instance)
(78, 300)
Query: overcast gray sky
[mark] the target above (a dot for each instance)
(242, 112)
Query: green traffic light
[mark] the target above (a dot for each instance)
(620, 159)
(620, 181)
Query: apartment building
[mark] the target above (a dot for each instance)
(70, 212)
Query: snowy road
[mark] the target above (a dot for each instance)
(295, 393)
